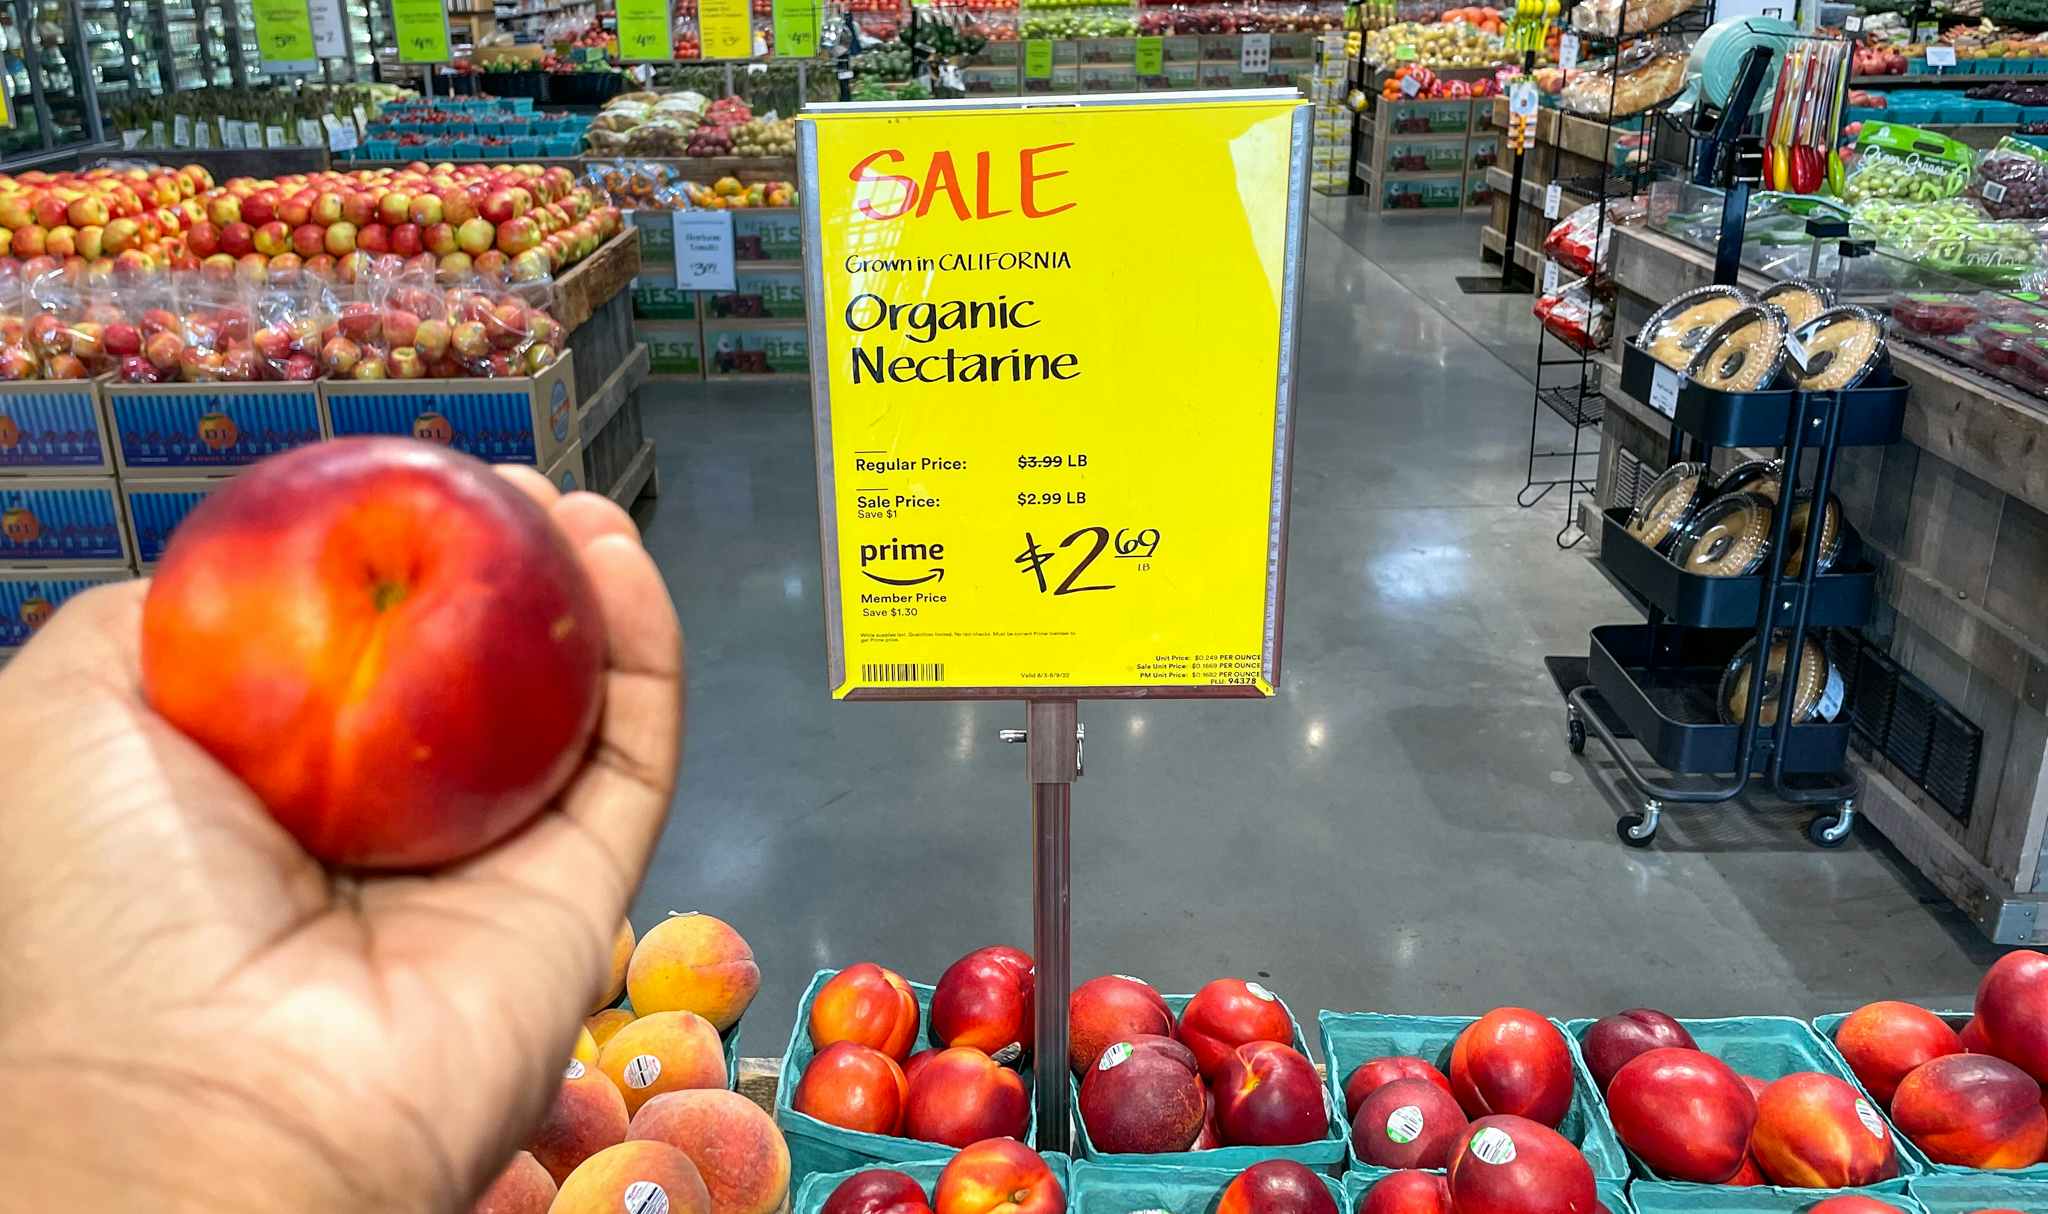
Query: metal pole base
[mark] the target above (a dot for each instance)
(1053, 757)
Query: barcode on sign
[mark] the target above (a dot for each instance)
(902, 672)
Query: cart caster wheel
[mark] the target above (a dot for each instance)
(1575, 735)
(1627, 827)
(1830, 830)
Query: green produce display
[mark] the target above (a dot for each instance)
(1079, 25)
(1952, 236)
(1905, 163)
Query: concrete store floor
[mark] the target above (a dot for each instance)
(1402, 829)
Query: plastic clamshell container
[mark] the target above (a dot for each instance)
(1670, 707)
(1324, 1154)
(1839, 597)
(1871, 415)
(1350, 1038)
(1766, 1047)
(808, 1192)
(817, 1146)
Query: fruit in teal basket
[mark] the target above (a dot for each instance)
(1268, 1094)
(1815, 1131)
(1409, 1123)
(1109, 1009)
(2012, 1010)
(1853, 1203)
(998, 1176)
(1613, 1040)
(1684, 1112)
(1512, 1060)
(876, 1191)
(1410, 1192)
(1276, 1186)
(1512, 1165)
(963, 1096)
(984, 1000)
(1883, 1042)
(1227, 1013)
(868, 1004)
(1374, 1073)
(853, 1087)
(1143, 1095)
(1972, 1111)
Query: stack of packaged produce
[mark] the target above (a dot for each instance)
(1328, 85)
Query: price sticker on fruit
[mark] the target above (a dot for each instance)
(1027, 488)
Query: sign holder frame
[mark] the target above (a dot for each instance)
(1054, 736)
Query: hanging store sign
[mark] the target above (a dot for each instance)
(646, 32)
(1052, 449)
(725, 29)
(284, 32)
(796, 29)
(329, 41)
(421, 28)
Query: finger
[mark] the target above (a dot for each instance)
(530, 482)
(585, 516)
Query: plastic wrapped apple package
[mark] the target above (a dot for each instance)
(159, 338)
(1577, 315)
(1583, 239)
(218, 328)
(289, 317)
(68, 317)
(18, 360)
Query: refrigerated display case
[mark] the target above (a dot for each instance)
(49, 79)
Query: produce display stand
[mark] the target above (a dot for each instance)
(755, 333)
(595, 304)
(1950, 517)
(1427, 156)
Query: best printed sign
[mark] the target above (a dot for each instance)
(1052, 434)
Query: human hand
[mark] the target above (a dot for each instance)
(195, 1015)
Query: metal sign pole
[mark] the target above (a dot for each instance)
(1052, 757)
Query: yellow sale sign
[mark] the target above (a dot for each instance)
(1052, 358)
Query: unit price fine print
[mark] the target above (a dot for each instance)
(1206, 669)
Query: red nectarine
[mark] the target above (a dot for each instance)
(854, 1087)
(1884, 1041)
(1374, 1073)
(984, 1000)
(1109, 1009)
(998, 1176)
(1686, 1113)
(1512, 1165)
(2012, 1011)
(1228, 1013)
(1972, 1110)
(1612, 1041)
(868, 1004)
(389, 643)
(1409, 1123)
(1814, 1131)
(963, 1096)
(1268, 1095)
(875, 1191)
(1143, 1096)
(1409, 1192)
(1512, 1060)
(1276, 1186)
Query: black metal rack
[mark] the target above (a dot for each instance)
(1656, 682)
(1573, 391)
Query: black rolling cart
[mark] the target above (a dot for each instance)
(1660, 682)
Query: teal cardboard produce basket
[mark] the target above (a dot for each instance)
(1983, 1191)
(1350, 1038)
(1656, 1197)
(1613, 1193)
(1911, 1158)
(1166, 1188)
(1767, 1047)
(1325, 1153)
(809, 1196)
(815, 1146)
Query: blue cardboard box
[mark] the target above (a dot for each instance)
(207, 429)
(29, 597)
(53, 426)
(56, 521)
(522, 420)
(156, 507)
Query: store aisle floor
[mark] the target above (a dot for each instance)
(1401, 829)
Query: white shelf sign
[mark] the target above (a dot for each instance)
(1553, 200)
(1664, 387)
(703, 250)
(1567, 51)
(1255, 53)
(1941, 56)
(1522, 100)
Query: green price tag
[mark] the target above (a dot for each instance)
(284, 30)
(1151, 56)
(796, 29)
(1406, 54)
(644, 31)
(590, 54)
(421, 27)
(1038, 58)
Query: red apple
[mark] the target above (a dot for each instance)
(405, 240)
(341, 239)
(1512, 1165)
(1684, 1112)
(439, 239)
(1227, 1013)
(272, 239)
(475, 235)
(1512, 1060)
(406, 363)
(516, 236)
(237, 239)
(394, 207)
(1612, 1041)
(260, 207)
(1267, 1095)
(1143, 1096)
(1409, 1123)
(372, 238)
(358, 208)
(1372, 1074)
(229, 656)
(224, 209)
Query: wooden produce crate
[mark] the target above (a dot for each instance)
(597, 278)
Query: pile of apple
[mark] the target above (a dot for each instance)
(643, 1100)
(863, 1077)
(1227, 1074)
(994, 1172)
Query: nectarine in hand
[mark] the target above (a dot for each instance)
(392, 646)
